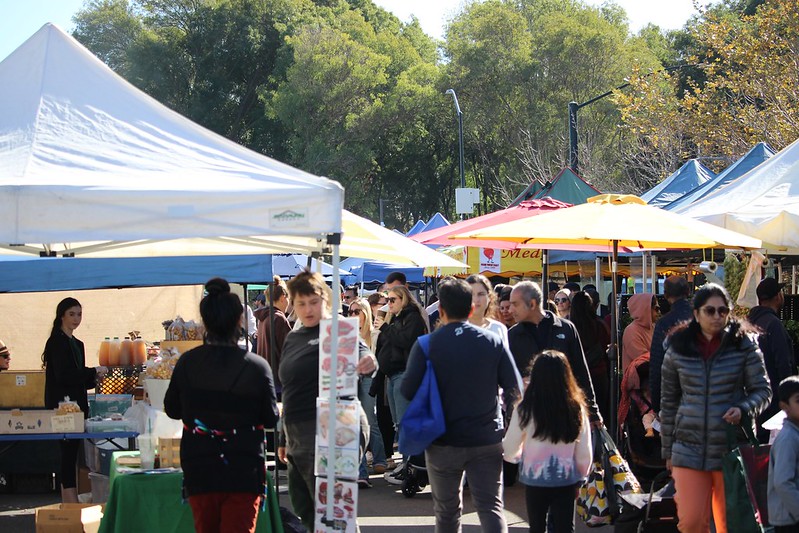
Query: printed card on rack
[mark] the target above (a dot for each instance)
(345, 506)
(347, 360)
(345, 439)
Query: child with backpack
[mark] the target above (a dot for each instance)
(550, 436)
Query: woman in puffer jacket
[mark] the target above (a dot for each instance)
(713, 375)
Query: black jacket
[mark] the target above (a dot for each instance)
(225, 389)
(777, 348)
(558, 334)
(680, 312)
(396, 339)
(66, 373)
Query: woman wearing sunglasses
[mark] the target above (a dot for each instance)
(713, 375)
(563, 303)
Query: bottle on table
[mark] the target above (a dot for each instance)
(113, 352)
(125, 350)
(105, 348)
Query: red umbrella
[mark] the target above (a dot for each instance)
(527, 208)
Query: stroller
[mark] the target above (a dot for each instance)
(641, 442)
(415, 473)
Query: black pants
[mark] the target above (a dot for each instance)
(557, 501)
(69, 463)
(787, 529)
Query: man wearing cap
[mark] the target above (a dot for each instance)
(774, 342)
(5, 356)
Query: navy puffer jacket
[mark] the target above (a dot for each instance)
(696, 393)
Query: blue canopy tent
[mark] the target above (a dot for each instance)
(289, 265)
(759, 153)
(435, 222)
(417, 228)
(685, 179)
(364, 271)
(37, 274)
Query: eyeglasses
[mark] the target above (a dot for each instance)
(561, 300)
(709, 310)
(392, 299)
(355, 312)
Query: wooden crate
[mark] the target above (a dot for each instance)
(22, 389)
(169, 453)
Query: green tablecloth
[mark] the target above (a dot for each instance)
(153, 502)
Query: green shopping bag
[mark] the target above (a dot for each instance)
(743, 511)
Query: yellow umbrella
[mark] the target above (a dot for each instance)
(613, 221)
(621, 219)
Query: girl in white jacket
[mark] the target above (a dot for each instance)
(549, 434)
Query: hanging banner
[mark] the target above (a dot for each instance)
(346, 374)
(345, 505)
(493, 261)
(345, 440)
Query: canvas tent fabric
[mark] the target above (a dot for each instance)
(688, 177)
(418, 227)
(42, 274)
(566, 186)
(88, 157)
(763, 203)
(363, 271)
(756, 155)
(436, 221)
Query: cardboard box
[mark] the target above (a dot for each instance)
(22, 389)
(68, 518)
(68, 423)
(17, 421)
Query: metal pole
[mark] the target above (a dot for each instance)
(333, 393)
(460, 133)
(380, 202)
(614, 344)
(545, 273)
(573, 153)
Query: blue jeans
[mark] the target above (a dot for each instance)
(375, 438)
(446, 466)
(396, 401)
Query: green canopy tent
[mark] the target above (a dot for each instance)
(566, 186)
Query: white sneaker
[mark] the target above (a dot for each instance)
(394, 478)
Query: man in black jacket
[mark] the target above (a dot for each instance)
(774, 342)
(537, 329)
(675, 289)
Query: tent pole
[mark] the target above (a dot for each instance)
(614, 344)
(793, 279)
(545, 272)
(598, 274)
(335, 240)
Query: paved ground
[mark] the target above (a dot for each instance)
(382, 509)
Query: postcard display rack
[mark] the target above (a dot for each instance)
(345, 438)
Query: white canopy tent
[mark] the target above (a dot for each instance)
(763, 203)
(85, 156)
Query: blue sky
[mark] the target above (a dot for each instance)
(19, 19)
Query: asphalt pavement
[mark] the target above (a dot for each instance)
(383, 508)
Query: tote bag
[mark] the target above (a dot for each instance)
(745, 470)
(423, 421)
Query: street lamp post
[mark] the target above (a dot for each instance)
(574, 161)
(460, 132)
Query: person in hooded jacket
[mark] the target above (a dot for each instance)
(713, 376)
(637, 338)
(404, 323)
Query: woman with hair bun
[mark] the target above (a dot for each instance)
(66, 374)
(225, 397)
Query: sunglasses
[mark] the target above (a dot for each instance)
(561, 300)
(355, 312)
(711, 311)
(392, 299)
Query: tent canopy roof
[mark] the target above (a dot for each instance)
(88, 157)
(685, 179)
(567, 187)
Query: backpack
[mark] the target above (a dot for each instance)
(423, 421)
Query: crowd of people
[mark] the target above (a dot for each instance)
(523, 376)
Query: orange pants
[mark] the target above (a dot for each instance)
(697, 491)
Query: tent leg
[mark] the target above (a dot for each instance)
(614, 345)
(331, 450)
(545, 272)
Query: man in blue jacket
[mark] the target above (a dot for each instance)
(675, 289)
(470, 364)
(774, 342)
